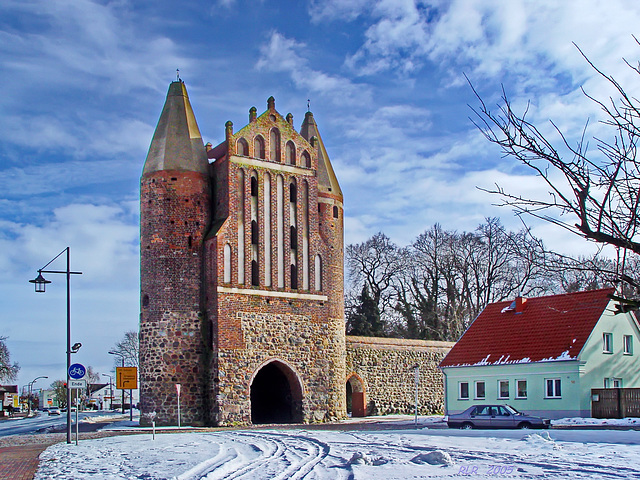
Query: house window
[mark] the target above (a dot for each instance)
(612, 383)
(521, 389)
(554, 388)
(503, 388)
(627, 344)
(607, 343)
(463, 391)
(479, 391)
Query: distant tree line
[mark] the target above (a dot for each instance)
(435, 287)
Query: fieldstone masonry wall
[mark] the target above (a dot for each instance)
(301, 343)
(385, 366)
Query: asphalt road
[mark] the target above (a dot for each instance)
(43, 423)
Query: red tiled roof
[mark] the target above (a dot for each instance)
(549, 328)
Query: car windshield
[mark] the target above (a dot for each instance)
(512, 410)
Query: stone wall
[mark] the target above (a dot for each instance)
(385, 367)
(305, 346)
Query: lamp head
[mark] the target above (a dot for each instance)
(40, 282)
(76, 347)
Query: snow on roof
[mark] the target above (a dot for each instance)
(553, 328)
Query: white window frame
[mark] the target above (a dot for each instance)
(460, 397)
(616, 382)
(475, 390)
(627, 344)
(607, 342)
(556, 385)
(526, 388)
(500, 396)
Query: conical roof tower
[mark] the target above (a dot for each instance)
(327, 180)
(177, 143)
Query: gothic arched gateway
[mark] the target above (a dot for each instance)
(276, 395)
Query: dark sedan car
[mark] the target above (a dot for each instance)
(495, 416)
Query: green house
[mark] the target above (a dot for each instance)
(544, 355)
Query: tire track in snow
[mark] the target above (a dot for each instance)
(225, 457)
(548, 464)
(280, 457)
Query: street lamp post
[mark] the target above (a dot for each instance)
(110, 390)
(40, 286)
(30, 390)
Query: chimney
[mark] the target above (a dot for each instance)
(520, 302)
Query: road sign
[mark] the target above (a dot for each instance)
(127, 378)
(78, 384)
(77, 371)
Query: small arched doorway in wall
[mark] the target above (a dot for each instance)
(276, 395)
(355, 396)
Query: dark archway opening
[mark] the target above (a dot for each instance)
(275, 395)
(355, 397)
(349, 399)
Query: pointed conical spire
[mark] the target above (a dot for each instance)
(327, 180)
(177, 143)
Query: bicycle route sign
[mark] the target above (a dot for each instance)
(77, 371)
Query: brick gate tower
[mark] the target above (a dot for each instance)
(241, 272)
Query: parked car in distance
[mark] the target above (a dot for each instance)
(495, 416)
(54, 411)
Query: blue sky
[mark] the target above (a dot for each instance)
(84, 83)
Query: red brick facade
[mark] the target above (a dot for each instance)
(241, 269)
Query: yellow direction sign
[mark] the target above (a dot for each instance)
(127, 378)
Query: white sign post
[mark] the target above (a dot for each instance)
(152, 416)
(417, 381)
(77, 425)
(178, 390)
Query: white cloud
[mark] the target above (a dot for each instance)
(323, 10)
(281, 54)
(85, 44)
(103, 241)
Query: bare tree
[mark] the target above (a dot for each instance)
(376, 264)
(8, 371)
(128, 349)
(59, 388)
(449, 277)
(598, 195)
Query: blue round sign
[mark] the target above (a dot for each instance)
(77, 371)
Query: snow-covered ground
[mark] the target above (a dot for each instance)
(350, 454)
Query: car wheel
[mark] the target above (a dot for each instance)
(524, 426)
(466, 426)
